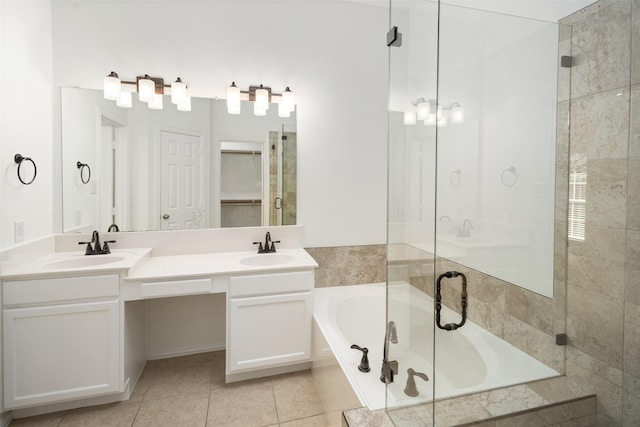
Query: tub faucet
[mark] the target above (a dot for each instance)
(389, 368)
(393, 335)
(411, 389)
(465, 231)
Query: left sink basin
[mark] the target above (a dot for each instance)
(84, 261)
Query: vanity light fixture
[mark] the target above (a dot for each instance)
(423, 108)
(433, 113)
(409, 118)
(150, 90)
(261, 96)
(457, 113)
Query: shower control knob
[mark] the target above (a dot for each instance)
(165, 216)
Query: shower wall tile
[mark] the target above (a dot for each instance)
(600, 125)
(601, 36)
(560, 249)
(534, 342)
(594, 325)
(349, 265)
(564, 74)
(511, 399)
(486, 288)
(559, 307)
(632, 279)
(633, 203)
(635, 42)
(597, 264)
(487, 316)
(529, 307)
(590, 375)
(634, 137)
(632, 340)
(606, 198)
(562, 131)
(630, 404)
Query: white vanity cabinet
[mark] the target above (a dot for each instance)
(269, 320)
(61, 339)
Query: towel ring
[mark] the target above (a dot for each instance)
(19, 158)
(82, 167)
(455, 177)
(504, 178)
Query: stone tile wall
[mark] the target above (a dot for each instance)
(349, 265)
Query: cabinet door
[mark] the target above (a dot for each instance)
(60, 352)
(269, 331)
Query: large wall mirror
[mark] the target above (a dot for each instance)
(136, 169)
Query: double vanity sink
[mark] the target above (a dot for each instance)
(73, 323)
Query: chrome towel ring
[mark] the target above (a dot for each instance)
(19, 158)
(509, 177)
(83, 167)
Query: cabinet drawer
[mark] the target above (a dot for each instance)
(59, 290)
(173, 288)
(266, 284)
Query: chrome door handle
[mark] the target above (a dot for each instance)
(165, 216)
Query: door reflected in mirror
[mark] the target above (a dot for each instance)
(169, 169)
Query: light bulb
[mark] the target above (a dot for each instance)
(178, 92)
(156, 102)
(457, 113)
(283, 111)
(262, 98)
(146, 89)
(124, 100)
(233, 99)
(409, 117)
(185, 105)
(288, 99)
(423, 109)
(112, 87)
(259, 111)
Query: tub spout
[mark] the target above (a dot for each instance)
(393, 335)
(411, 389)
(364, 362)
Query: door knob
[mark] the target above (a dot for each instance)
(165, 216)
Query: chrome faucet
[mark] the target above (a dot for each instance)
(393, 335)
(465, 231)
(96, 249)
(269, 245)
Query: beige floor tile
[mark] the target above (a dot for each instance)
(46, 420)
(112, 415)
(315, 421)
(244, 404)
(296, 396)
(178, 381)
(187, 410)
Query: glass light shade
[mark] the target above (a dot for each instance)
(146, 90)
(125, 99)
(262, 99)
(112, 87)
(430, 120)
(423, 109)
(288, 100)
(283, 111)
(233, 99)
(258, 111)
(442, 121)
(178, 92)
(185, 105)
(457, 113)
(156, 102)
(409, 117)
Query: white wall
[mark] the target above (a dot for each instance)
(26, 125)
(332, 54)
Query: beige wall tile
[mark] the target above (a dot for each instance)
(534, 342)
(632, 340)
(529, 307)
(607, 192)
(631, 401)
(349, 265)
(635, 42)
(594, 325)
(633, 202)
(632, 267)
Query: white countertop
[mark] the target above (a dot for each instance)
(210, 264)
(139, 264)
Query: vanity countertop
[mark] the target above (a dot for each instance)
(76, 263)
(221, 263)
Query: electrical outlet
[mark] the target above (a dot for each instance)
(18, 231)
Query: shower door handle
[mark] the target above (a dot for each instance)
(463, 301)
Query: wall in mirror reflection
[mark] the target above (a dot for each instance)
(162, 169)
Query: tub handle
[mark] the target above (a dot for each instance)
(463, 301)
(364, 362)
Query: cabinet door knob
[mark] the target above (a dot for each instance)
(165, 216)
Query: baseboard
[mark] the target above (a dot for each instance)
(187, 351)
(241, 376)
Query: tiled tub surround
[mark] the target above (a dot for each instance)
(349, 265)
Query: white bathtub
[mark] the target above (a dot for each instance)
(468, 360)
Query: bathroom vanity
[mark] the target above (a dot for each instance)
(74, 327)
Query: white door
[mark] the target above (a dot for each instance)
(181, 182)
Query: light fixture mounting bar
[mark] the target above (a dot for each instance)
(159, 81)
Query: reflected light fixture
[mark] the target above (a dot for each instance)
(423, 109)
(112, 87)
(457, 113)
(409, 117)
(261, 96)
(433, 113)
(150, 90)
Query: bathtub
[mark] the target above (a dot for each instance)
(468, 360)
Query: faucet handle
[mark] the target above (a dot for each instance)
(89, 249)
(260, 248)
(105, 246)
(273, 246)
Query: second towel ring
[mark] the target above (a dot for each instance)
(455, 177)
(83, 167)
(19, 158)
(504, 178)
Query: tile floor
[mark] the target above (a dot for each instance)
(190, 391)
